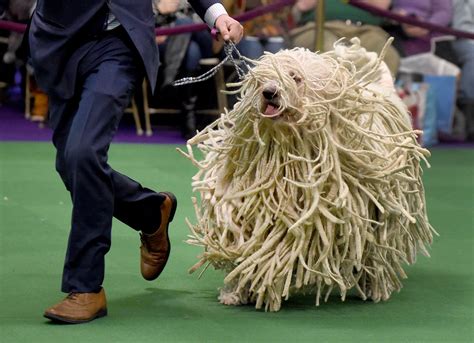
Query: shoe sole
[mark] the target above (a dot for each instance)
(59, 319)
(174, 206)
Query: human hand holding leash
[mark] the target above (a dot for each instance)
(229, 28)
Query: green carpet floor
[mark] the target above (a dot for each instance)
(436, 303)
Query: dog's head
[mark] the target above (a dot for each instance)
(297, 86)
(288, 85)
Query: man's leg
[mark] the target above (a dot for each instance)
(83, 129)
(464, 49)
(134, 205)
(109, 74)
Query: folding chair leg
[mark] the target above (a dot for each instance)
(220, 84)
(27, 95)
(136, 118)
(146, 110)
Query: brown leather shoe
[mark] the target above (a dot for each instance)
(79, 308)
(156, 247)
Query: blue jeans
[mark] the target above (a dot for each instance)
(464, 49)
(253, 47)
(199, 47)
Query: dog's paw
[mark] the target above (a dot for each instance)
(229, 298)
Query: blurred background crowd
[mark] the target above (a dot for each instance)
(434, 72)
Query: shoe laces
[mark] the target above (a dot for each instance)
(72, 296)
(143, 240)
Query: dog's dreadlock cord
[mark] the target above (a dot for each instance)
(329, 199)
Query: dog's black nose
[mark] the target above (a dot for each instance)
(270, 93)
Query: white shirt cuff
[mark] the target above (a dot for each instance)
(213, 13)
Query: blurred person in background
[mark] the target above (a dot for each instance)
(343, 21)
(15, 60)
(4, 79)
(463, 19)
(180, 56)
(88, 56)
(3, 8)
(264, 33)
(411, 40)
(13, 53)
(18, 11)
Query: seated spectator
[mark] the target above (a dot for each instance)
(14, 54)
(3, 83)
(11, 56)
(264, 33)
(411, 40)
(343, 20)
(180, 56)
(463, 19)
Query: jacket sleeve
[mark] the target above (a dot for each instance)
(201, 6)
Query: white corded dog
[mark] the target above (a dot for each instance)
(312, 182)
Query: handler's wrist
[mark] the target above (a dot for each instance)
(214, 12)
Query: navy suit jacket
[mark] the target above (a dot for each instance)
(59, 29)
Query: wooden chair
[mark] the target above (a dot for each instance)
(221, 98)
(29, 99)
(3, 85)
(134, 110)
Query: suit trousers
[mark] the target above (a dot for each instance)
(84, 126)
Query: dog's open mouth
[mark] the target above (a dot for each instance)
(270, 109)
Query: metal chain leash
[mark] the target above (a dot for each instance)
(229, 49)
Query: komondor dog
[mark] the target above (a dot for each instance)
(312, 182)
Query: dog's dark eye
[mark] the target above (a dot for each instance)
(295, 77)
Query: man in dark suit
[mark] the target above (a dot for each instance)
(89, 55)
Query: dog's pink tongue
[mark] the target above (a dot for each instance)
(271, 110)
